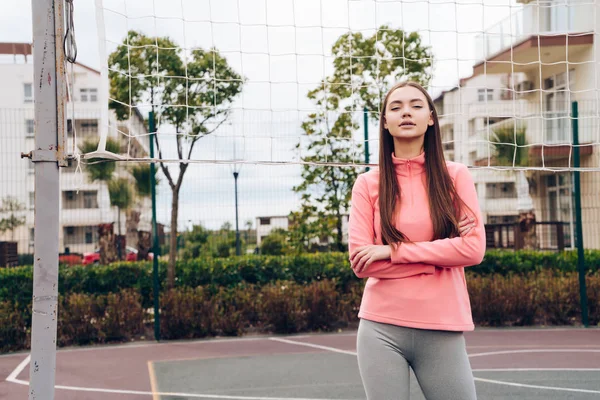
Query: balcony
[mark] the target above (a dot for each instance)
(499, 108)
(551, 26)
(499, 206)
(551, 127)
(86, 217)
(549, 133)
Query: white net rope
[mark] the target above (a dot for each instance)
(258, 81)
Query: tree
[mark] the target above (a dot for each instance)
(195, 242)
(509, 145)
(222, 242)
(97, 169)
(365, 69)
(143, 186)
(330, 133)
(121, 196)
(248, 224)
(141, 175)
(303, 225)
(195, 92)
(510, 149)
(139, 70)
(201, 242)
(275, 243)
(13, 207)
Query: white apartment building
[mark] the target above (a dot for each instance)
(83, 204)
(535, 64)
(266, 224)
(466, 116)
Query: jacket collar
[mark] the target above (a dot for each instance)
(410, 166)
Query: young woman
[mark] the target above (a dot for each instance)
(414, 225)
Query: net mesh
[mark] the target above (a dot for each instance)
(259, 81)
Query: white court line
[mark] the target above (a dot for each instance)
(535, 369)
(23, 364)
(316, 346)
(496, 353)
(482, 355)
(13, 375)
(185, 395)
(181, 343)
(507, 329)
(13, 379)
(175, 343)
(533, 346)
(522, 385)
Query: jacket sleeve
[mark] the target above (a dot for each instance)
(361, 232)
(460, 251)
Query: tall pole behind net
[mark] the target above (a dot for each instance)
(49, 89)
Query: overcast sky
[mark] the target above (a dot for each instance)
(282, 47)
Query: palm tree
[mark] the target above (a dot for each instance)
(102, 171)
(121, 196)
(141, 174)
(510, 149)
(13, 207)
(143, 186)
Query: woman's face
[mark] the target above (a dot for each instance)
(407, 114)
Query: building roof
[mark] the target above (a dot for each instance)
(15, 48)
(26, 49)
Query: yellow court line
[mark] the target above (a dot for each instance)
(153, 384)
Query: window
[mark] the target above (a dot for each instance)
(500, 190)
(265, 221)
(556, 104)
(90, 200)
(88, 94)
(31, 200)
(29, 128)
(69, 200)
(502, 219)
(481, 94)
(88, 127)
(89, 235)
(28, 92)
(472, 130)
(472, 157)
(71, 167)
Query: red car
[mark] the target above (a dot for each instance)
(94, 258)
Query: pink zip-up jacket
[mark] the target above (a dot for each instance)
(423, 284)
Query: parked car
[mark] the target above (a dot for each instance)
(130, 255)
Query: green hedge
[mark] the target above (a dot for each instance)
(535, 298)
(16, 283)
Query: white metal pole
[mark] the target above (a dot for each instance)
(48, 81)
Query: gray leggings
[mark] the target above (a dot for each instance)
(438, 358)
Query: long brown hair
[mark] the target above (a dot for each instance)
(444, 203)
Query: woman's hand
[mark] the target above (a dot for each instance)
(363, 256)
(465, 225)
